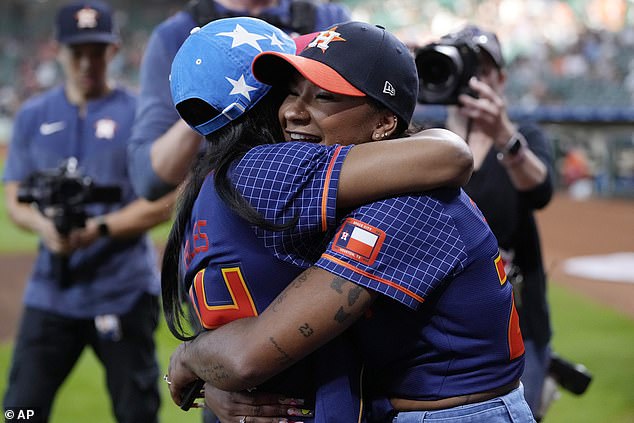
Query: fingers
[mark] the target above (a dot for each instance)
(255, 407)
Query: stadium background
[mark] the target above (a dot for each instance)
(571, 66)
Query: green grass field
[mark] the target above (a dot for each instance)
(585, 332)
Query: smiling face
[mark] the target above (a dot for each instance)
(312, 114)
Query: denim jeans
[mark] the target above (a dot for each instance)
(509, 408)
(537, 360)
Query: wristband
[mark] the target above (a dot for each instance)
(102, 227)
(514, 145)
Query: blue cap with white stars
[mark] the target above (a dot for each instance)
(211, 78)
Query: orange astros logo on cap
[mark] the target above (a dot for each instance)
(324, 38)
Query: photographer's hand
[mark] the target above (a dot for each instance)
(83, 237)
(52, 239)
(488, 113)
(491, 126)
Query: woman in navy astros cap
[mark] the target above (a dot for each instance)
(419, 268)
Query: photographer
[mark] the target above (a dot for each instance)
(512, 177)
(107, 295)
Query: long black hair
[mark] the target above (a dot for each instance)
(259, 125)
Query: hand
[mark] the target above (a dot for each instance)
(252, 407)
(83, 237)
(179, 376)
(487, 113)
(51, 238)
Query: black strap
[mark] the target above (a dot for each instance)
(302, 20)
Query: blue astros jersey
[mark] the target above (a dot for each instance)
(433, 253)
(446, 324)
(230, 273)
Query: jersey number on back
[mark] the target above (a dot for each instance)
(213, 316)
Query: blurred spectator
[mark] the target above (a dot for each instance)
(605, 51)
(95, 282)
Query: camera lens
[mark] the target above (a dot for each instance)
(437, 71)
(439, 68)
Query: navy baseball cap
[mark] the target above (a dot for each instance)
(211, 79)
(352, 58)
(86, 22)
(486, 40)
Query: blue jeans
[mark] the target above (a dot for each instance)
(537, 360)
(509, 408)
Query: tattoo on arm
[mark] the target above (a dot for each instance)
(306, 330)
(341, 315)
(284, 357)
(354, 294)
(278, 301)
(299, 281)
(215, 373)
(337, 284)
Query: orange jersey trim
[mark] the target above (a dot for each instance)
(376, 278)
(516, 343)
(499, 267)
(324, 194)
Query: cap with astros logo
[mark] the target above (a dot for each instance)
(86, 22)
(351, 58)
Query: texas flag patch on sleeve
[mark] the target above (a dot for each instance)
(358, 241)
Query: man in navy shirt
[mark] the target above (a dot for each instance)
(163, 146)
(107, 297)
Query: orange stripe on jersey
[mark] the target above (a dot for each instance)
(499, 266)
(376, 278)
(516, 344)
(324, 195)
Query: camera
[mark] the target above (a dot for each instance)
(573, 377)
(62, 194)
(444, 69)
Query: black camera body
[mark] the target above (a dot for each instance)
(444, 69)
(63, 193)
(573, 377)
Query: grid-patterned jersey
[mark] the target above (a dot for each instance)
(435, 254)
(231, 274)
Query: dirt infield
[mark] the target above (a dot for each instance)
(569, 228)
